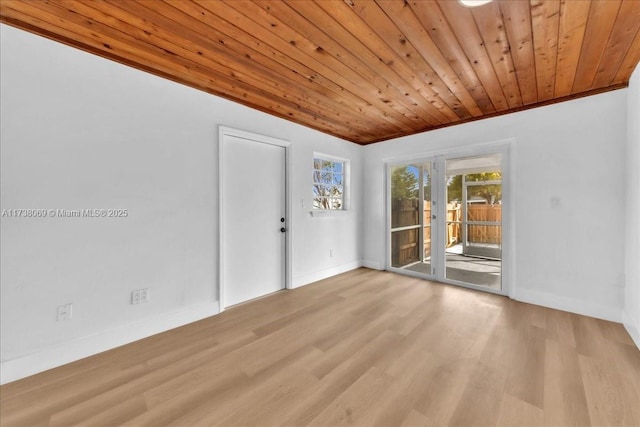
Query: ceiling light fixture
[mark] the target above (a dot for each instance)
(473, 3)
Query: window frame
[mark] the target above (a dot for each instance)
(335, 177)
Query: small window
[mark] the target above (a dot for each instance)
(328, 184)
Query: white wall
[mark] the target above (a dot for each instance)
(631, 317)
(80, 132)
(568, 257)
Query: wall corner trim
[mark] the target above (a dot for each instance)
(375, 265)
(629, 324)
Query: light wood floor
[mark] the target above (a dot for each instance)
(364, 348)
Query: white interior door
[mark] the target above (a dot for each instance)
(253, 206)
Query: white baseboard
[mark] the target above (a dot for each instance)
(30, 364)
(571, 305)
(631, 325)
(375, 265)
(24, 366)
(307, 279)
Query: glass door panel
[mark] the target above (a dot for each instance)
(427, 217)
(473, 246)
(405, 218)
(411, 217)
(484, 221)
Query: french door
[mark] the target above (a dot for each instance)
(445, 219)
(411, 206)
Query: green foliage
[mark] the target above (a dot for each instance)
(488, 192)
(404, 183)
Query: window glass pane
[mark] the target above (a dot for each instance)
(321, 203)
(326, 178)
(404, 196)
(325, 190)
(328, 184)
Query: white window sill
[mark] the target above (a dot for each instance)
(328, 212)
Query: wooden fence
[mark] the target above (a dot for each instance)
(405, 245)
(484, 233)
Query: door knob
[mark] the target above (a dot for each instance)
(282, 230)
(281, 219)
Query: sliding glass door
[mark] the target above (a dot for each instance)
(445, 219)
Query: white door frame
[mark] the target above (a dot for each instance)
(505, 148)
(223, 132)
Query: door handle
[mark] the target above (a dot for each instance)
(282, 229)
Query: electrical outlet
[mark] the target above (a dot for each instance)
(65, 312)
(139, 296)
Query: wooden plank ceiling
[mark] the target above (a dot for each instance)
(361, 70)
